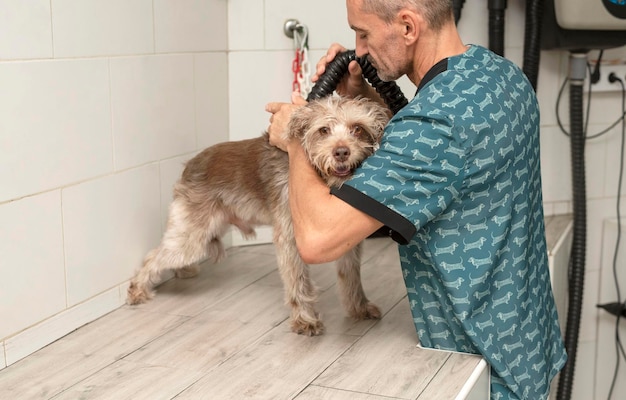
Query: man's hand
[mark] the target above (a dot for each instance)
(281, 114)
(352, 84)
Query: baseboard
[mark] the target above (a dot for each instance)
(3, 357)
(38, 336)
(42, 334)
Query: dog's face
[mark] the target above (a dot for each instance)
(338, 134)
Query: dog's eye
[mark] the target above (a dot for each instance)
(356, 130)
(324, 131)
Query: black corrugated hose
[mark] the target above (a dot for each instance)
(578, 65)
(338, 67)
(457, 7)
(496, 26)
(576, 281)
(532, 40)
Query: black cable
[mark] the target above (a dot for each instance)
(587, 137)
(558, 104)
(595, 75)
(618, 343)
(613, 78)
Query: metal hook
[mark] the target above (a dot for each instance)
(290, 26)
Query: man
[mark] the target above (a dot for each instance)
(456, 182)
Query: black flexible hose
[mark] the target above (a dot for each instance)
(328, 81)
(496, 26)
(532, 40)
(336, 69)
(457, 7)
(577, 255)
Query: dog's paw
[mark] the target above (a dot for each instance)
(368, 311)
(187, 272)
(308, 328)
(137, 295)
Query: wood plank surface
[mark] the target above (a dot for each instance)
(386, 361)
(225, 335)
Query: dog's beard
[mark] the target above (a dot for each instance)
(334, 172)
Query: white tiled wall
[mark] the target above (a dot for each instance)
(99, 211)
(55, 121)
(152, 108)
(102, 28)
(31, 244)
(190, 25)
(31, 23)
(103, 100)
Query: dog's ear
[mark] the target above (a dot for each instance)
(380, 115)
(300, 121)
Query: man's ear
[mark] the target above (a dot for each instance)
(410, 23)
(299, 122)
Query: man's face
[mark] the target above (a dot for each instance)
(380, 41)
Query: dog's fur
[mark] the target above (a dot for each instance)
(245, 184)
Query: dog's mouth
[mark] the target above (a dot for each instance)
(342, 171)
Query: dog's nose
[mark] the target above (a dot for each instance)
(341, 153)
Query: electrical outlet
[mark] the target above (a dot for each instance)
(603, 84)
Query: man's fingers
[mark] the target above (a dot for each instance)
(297, 99)
(330, 55)
(354, 68)
(273, 107)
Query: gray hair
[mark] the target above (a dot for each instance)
(435, 12)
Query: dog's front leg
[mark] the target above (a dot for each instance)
(350, 288)
(300, 292)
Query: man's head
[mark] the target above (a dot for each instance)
(388, 30)
(435, 12)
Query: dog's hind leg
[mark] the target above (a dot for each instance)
(350, 288)
(185, 242)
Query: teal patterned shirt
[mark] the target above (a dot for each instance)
(457, 183)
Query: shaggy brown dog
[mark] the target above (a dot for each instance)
(245, 184)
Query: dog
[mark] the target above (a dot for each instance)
(245, 184)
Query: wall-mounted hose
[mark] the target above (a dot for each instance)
(532, 40)
(457, 7)
(496, 26)
(576, 282)
(338, 67)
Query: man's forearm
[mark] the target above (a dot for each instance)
(307, 196)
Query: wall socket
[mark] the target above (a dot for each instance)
(603, 84)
